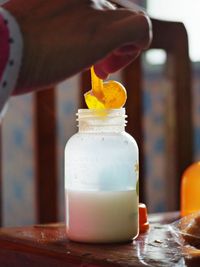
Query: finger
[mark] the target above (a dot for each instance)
(98, 69)
(128, 49)
(113, 63)
(133, 29)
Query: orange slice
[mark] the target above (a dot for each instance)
(105, 95)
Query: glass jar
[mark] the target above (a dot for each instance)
(101, 179)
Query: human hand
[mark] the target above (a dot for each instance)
(64, 37)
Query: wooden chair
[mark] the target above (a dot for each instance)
(45, 127)
(46, 156)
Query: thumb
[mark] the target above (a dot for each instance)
(126, 27)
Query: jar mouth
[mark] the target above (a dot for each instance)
(104, 120)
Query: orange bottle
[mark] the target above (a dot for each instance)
(190, 189)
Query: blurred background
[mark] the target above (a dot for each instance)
(18, 165)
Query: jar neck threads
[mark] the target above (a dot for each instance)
(98, 121)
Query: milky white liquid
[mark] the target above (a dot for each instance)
(102, 216)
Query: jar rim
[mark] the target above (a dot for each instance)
(101, 112)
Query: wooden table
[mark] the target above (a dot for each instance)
(47, 245)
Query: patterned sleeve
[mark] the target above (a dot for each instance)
(11, 45)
